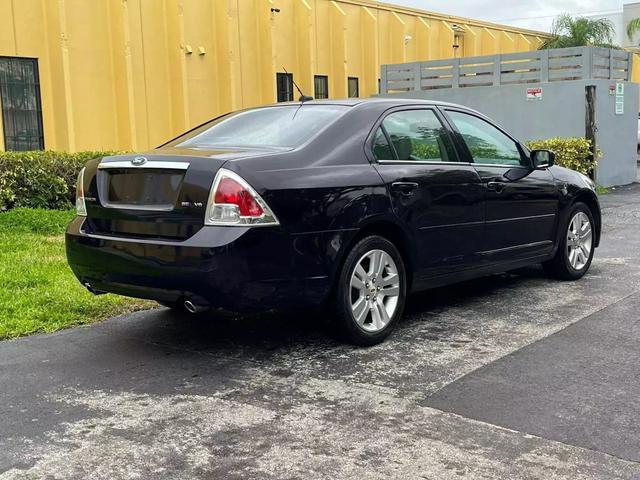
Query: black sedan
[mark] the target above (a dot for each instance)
(348, 204)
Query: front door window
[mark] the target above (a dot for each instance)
(486, 143)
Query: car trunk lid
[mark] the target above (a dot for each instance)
(162, 194)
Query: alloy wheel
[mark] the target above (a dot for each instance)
(579, 241)
(375, 290)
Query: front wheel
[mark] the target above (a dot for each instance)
(371, 291)
(576, 248)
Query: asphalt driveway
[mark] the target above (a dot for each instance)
(513, 376)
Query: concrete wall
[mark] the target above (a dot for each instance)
(561, 112)
(130, 74)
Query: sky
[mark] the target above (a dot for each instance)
(533, 14)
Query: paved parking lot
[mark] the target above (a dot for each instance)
(513, 376)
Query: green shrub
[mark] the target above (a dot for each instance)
(41, 179)
(571, 152)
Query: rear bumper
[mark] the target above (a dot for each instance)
(235, 268)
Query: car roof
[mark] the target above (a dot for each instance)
(391, 101)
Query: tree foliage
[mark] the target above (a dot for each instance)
(568, 31)
(633, 27)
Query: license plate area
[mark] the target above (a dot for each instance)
(140, 189)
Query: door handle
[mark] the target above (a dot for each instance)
(406, 188)
(496, 186)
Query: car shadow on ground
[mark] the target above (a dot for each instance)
(283, 330)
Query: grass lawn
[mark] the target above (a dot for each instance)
(38, 291)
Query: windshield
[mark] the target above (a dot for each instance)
(275, 127)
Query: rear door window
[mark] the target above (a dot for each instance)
(418, 135)
(380, 146)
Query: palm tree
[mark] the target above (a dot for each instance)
(633, 27)
(568, 31)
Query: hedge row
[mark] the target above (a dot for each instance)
(572, 152)
(41, 179)
(48, 179)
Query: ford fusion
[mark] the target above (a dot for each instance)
(346, 204)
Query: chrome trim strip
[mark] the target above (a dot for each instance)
(435, 162)
(452, 225)
(150, 164)
(143, 241)
(145, 208)
(517, 247)
(515, 219)
(482, 222)
(503, 165)
(421, 162)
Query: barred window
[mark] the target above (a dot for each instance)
(284, 83)
(321, 87)
(21, 104)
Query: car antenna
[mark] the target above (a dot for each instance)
(303, 98)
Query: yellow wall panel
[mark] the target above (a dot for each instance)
(119, 59)
(635, 68)
(94, 112)
(337, 51)
(305, 47)
(369, 39)
(7, 32)
(131, 74)
(422, 39)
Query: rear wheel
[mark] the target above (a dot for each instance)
(576, 248)
(371, 291)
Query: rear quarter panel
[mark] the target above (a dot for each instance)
(325, 192)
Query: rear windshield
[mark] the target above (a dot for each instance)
(270, 127)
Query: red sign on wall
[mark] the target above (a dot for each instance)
(534, 93)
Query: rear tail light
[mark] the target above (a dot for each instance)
(233, 201)
(81, 207)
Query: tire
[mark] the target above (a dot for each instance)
(368, 320)
(564, 266)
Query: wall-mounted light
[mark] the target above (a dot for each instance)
(458, 36)
(407, 39)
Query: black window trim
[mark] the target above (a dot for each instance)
(462, 144)
(378, 124)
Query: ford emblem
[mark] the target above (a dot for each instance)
(138, 161)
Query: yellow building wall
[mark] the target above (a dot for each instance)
(132, 74)
(635, 68)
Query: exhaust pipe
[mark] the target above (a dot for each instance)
(191, 307)
(93, 290)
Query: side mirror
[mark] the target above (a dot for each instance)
(542, 159)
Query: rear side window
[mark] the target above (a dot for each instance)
(418, 135)
(271, 127)
(381, 147)
(486, 143)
